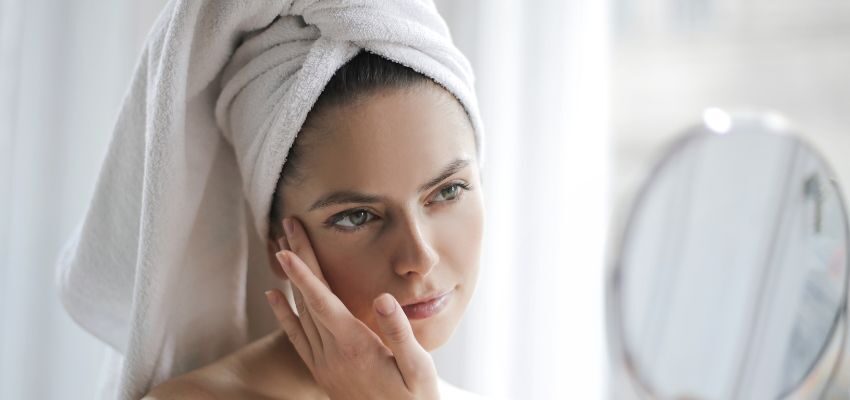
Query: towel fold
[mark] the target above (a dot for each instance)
(160, 266)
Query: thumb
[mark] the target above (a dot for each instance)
(414, 363)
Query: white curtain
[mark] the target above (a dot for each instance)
(535, 326)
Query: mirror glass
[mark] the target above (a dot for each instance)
(731, 276)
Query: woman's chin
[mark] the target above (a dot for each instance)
(431, 338)
(432, 333)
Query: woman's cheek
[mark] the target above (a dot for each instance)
(347, 278)
(467, 239)
(465, 228)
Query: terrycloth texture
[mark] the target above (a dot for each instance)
(161, 266)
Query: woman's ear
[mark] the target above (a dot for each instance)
(273, 247)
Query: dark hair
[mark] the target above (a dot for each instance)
(364, 74)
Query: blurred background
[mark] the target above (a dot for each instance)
(670, 59)
(578, 98)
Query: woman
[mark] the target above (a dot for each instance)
(414, 231)
(247, 114)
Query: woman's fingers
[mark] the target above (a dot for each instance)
(291, 326)
(415, 364)
(300, 244)
(301, 252)
(323, 340)
(314, 333)
(317, 339)
(325, 308)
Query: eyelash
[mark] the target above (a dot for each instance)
(340, 216)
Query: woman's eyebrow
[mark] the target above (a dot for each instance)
(350, 196)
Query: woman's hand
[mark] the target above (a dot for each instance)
(346, 357)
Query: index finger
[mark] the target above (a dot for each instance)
(322, 303)
(300, 244)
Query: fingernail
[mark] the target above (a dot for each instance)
(385, 305)
(283, 261)
(271, 297)
(287, 226)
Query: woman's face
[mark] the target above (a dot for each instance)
(384, 205)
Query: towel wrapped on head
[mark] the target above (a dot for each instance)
(159, 267)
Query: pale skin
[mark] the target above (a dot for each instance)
(412, 150)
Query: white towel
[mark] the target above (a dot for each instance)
(160, 265)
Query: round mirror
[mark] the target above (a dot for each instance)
(731, 276)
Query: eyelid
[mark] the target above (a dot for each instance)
(463, 185)
(342, 214)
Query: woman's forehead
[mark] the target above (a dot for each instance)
(393, 141)
(392, 133)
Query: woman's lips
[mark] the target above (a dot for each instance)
(429, 308)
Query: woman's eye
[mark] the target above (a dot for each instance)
(354, 219)
(451, 192)
(350, 221)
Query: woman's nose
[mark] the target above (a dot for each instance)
(415, 254)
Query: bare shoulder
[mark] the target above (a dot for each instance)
(248, 374)
(204, 384)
